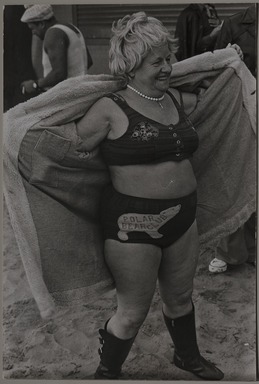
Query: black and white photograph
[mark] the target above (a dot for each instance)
(141, 266)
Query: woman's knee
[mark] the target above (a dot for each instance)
(131, 319)
(179, 309)
(178, 303)
(126, 323)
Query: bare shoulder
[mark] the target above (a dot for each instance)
(98, 111)
(108, 109)
(189, 100)
(55, 36)
(104, 107)
(95, 125)
(103, 117)
(104, 102)
(176, 94)
(101, 113)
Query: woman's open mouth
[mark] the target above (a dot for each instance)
(163, 78)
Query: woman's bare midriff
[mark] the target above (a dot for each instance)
(166, 180)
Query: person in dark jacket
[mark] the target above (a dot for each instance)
(240, 29)
(197, 29)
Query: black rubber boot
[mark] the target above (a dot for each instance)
(113, 352)
(187, 355)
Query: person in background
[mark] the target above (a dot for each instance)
(17, 56)
(64, 53)
(197, 28)
(148, 211)
(236, 249)
(240, 29)
(240, 246)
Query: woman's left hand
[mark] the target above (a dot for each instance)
(237, 48)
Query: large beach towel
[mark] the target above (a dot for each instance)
(52, 191)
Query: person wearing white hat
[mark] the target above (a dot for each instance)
(64, 52)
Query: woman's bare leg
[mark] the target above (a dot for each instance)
(176, 276)
(134, 268)
(176, 273)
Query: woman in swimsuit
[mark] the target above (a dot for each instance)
(148, 211)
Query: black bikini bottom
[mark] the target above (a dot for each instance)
(130, 219)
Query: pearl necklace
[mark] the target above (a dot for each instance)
(157, 99)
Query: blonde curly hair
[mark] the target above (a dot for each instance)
(133, 37)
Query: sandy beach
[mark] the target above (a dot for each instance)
(65, 347)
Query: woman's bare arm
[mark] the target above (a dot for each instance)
(189, 102)
(94, 126)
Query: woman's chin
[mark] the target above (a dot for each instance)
(163, 85)
(163, 89)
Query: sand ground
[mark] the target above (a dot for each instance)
(65, 347)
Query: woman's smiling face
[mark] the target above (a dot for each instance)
(152, 76)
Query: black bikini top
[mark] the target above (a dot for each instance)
(147, 141)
